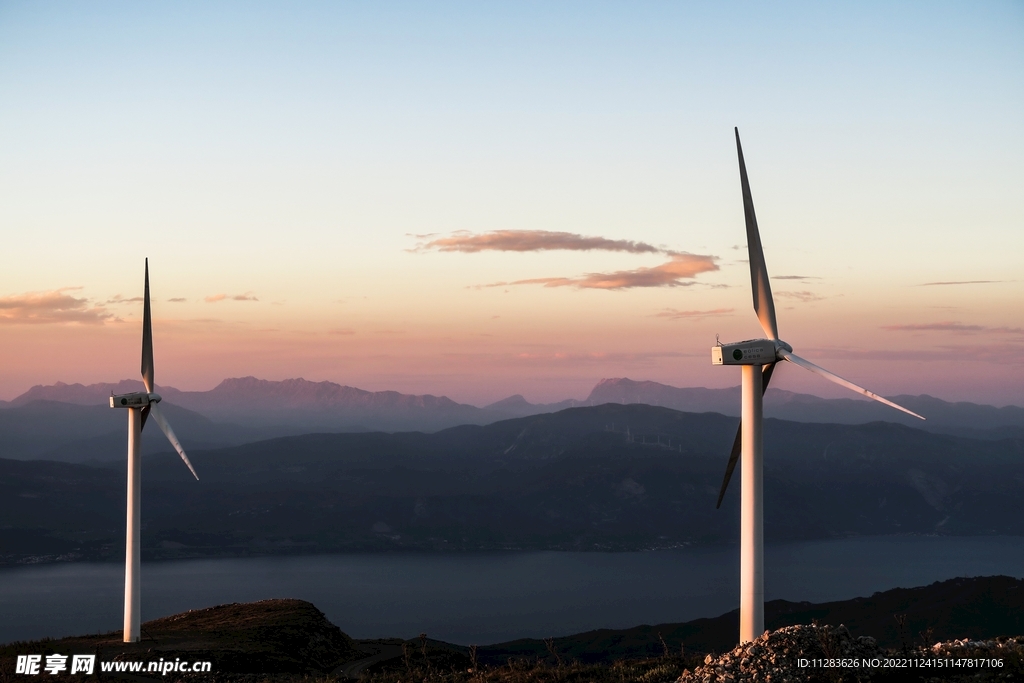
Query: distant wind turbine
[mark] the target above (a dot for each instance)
(758, 358)
(140, 405)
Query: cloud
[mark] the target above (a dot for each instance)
(682, 266)
(177, 299)
(118, 299)
(804, 296)
(673, 314)
(796, 277)
(671, 274)
(40, 308)
(533, 240)
(962, 282)
(952, 327)
(214, 298)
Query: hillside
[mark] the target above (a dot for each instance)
(976, 608)
(270, 636)
(610, 477)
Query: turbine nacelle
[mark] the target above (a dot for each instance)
(750, 352)
(138, 399)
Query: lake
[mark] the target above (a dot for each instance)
(492, 597)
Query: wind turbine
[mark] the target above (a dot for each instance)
(140, 406)
(757, 358)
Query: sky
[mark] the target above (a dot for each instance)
(485, 199)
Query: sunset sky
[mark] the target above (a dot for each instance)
(481, 199)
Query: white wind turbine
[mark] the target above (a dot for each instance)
(140, 405)
(758, 358)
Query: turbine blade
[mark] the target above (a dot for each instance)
(737, 443)
(832, 377)
(169, 433)
(145, 413)
(734, 456)
(764, 305)
(147, 339)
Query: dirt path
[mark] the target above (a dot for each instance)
(376, 651)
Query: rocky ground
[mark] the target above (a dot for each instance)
(290, 640)
(795, 654)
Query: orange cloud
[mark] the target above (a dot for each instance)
(533, 240)
(673, 314)
(682, 267)
(40, 308)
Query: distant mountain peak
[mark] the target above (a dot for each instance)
(81, 394)
(513, 402)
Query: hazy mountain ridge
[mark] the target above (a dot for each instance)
(606, 477)
(86, 394)
(969, 419)
(77, 433)
(961, 418)
(293, 404)
(243, 410)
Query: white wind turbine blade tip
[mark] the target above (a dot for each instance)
(832, 377)
(760, 287)
(147, 338)
(169, 433)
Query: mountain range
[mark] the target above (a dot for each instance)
(71, 422)
(295, 404)
(608, 477)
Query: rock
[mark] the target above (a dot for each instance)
(775, 656)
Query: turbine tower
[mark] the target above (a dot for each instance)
(140, 406)
(757, 358)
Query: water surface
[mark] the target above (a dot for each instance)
(492, 597)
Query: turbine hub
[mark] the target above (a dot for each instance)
(779, 344)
